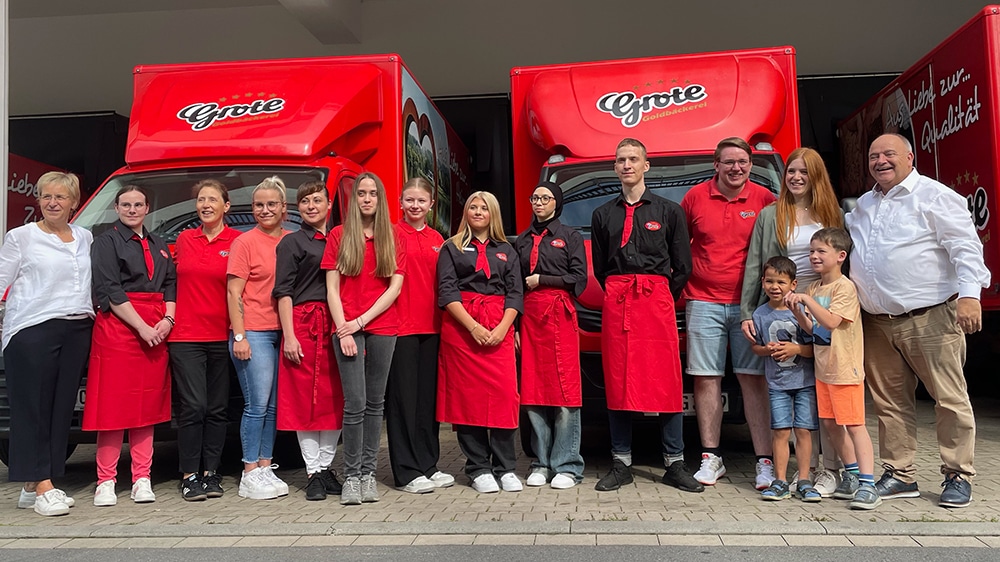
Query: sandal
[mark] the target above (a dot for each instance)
(807, 492)
(777, 491)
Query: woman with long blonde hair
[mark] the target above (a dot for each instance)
(479, 286)
(363, 279)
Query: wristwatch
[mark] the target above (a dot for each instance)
(238, 338)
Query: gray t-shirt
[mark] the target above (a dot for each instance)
(780, 325)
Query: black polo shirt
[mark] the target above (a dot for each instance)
(119, 266)
(297, 273)
(562, 259)
(456, 271)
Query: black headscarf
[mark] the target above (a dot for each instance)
(558, 195)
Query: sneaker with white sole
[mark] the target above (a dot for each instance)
(66, 499)
(563, 481)
(538, 477)
(105, 495)
(826, 482)
(51, 504)
(765, 474)
(142, 491)
(442, 479)
(350, 493)
(255, 485)
(26, 500)
(369, 488)
(485, 483)
(278, 483)
(419, 485)
(511, 483)
(711, 469)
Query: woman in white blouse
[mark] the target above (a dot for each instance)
(46, 339)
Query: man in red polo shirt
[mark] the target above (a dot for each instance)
(720, 215)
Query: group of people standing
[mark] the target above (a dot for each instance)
(329, 329)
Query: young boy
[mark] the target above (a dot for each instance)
(791, 385)
(833, 315)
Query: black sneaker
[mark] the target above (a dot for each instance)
(330, 482)
(889, 487)
(677, 475)
(315, 490)
(957, 492)
(212, 483)
(192, 490)
(620, 475)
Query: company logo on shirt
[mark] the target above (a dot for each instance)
(436, 249)
(224, 253)
(501, 256)
(558, 243)
(652, 225)
(165, 254)
(748, 214)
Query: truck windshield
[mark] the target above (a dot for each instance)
(588, 186)
(173, 204)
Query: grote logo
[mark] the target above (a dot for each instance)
(558, 243)
(630, 108)
(202, 115)
(652, 225)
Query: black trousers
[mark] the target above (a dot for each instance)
(44, 365)
(201, 396)
(487, 449)
(411, 399)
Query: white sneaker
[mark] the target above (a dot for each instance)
(511, 483)
(537, 477)
(66, 499)
(563, 481)
(765, 474)
(278, 483)
(485, 483)
(442, 479)
(26, 500)
(255, 485)
(50, 503)
(142, 491)
(419, 485)
(711, 469)
(826, 482)
(105, 495)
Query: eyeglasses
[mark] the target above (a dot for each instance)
(130, 206)
(734, 163)
(543, 199)
(49, 197)
(270, 205)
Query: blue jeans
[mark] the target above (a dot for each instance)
(258, 378)
(711, 327)
(363, 378)
(671, 432)
(794, 408)
(555, 437)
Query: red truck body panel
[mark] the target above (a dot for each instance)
(948, 105)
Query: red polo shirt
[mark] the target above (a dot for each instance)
(417, 304)
(202, 314)
(359, 292)
(720, 232)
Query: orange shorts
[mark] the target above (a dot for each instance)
(844, 403)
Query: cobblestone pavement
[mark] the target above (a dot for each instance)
(645, 512)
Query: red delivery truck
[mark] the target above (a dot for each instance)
(323, 119)
(568, 119)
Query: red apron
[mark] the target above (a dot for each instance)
(128, 382)
(477, 385)
(310, 397)
(550, 350)
(639, 345)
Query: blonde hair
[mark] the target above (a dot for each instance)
(351, 255)
(273, 183)
(65, 179)
(824, 201)
(462, 238)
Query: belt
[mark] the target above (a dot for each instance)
(915, 311)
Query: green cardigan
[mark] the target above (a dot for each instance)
(763, 245)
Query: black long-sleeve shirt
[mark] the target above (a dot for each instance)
(562, 259)
(456, 273)
(659, 244)
(297, 272)
(119, 266)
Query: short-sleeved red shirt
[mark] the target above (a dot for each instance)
(417, 303)
(202, 314)
(359, 292)
(720, 232)
(253, 258)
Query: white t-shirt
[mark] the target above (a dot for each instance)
(48, 278)
(798, 252)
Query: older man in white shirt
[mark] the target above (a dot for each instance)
(918, 266)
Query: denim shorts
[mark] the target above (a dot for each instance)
(711, 329)
(794, 408)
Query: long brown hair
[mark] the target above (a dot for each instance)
(462, 238)
(824, 200)
(351, 255)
